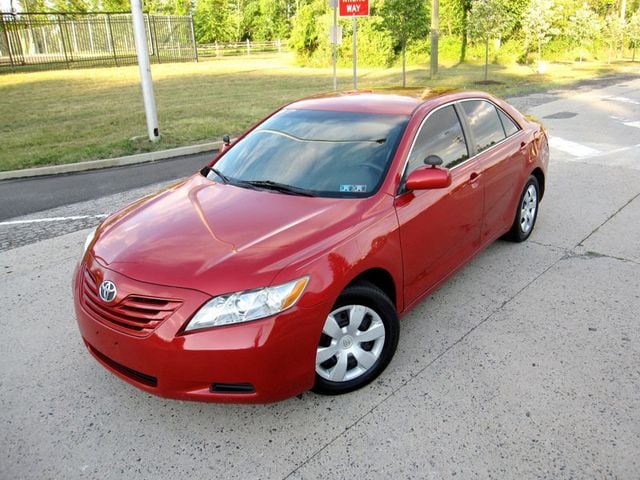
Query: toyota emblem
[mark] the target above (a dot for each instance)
(108, 291)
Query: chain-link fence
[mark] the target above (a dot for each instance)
(49, 41)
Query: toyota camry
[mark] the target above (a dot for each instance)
(285, 264)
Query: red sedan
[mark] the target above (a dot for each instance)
(285, 264)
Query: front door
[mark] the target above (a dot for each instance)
(440, 228)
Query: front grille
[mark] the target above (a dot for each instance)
(136, 314)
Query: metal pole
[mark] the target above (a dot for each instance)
(110, 39)
(6, 37)
(355, 56)
(335, 46)
(193, 38)
(154, 39)
(145, 71)
(435, 26)
(149, 36)
(64, 46)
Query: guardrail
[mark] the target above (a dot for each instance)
(247, 47)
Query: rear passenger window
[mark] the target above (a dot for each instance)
(484, 122)
(509, 125)
(440, 135)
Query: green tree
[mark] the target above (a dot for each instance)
(489, 19)
(633, 32)
(169, 7)
(583, 27)
(406, 20)
(274, 21)
(32, 6)
(537, 24)
(307, 30)
(465, 9)
(212, 21)
(116, 5)
(613, 31)
(70, 6)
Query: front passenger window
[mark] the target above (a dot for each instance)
(440, 135)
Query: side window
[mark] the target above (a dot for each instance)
(509, 125)
(440, 135)
(484, 122)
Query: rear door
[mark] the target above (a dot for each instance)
(500, 150)
(439, 229)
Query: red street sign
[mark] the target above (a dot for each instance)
(354, 8)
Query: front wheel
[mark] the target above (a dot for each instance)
(358, 340)
(525, 218)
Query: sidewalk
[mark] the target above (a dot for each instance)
(111, 162)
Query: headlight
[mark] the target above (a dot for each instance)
(249, 305)
(87, 242)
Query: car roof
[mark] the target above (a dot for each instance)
(361, 102)
(382, 103)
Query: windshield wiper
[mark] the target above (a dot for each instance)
(222, 176)
(278, 187)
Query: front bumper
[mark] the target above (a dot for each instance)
(256, 362)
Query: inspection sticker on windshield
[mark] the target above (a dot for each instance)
(353, 188)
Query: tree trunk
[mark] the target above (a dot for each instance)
(404, 64)
(486, 59)
(539, 52)
(435, 34)
(610, 53)
(466, 8)
(463, 46)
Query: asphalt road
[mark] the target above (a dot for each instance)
(24, 196)
(523, 366)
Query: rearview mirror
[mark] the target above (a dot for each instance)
(425, 178)
(433, 160)
(226, 144)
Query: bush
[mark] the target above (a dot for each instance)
(310, 41)
(419, 52)
(375, 47)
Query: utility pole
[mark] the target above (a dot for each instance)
(435, 27)
(334, 40)
(145, 71)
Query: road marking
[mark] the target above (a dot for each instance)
(52, 219)
(573, 148)
(623, 100)
(632, 124)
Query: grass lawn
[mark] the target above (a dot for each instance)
(66, 116)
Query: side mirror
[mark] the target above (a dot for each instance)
(426, 178)
(226, 144)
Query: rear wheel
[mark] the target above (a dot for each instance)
(527, 212)
(358, 340)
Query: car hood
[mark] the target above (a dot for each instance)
(220, 238)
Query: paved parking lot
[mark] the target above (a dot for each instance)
(524, 365)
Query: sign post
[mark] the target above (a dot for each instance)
(354, 8)
(334, 40)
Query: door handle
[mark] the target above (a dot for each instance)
(474, 176)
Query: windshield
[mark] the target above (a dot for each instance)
(313, 152)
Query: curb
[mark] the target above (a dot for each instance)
(111, 162)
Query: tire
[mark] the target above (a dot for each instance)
(358, 340)
(527, 212)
